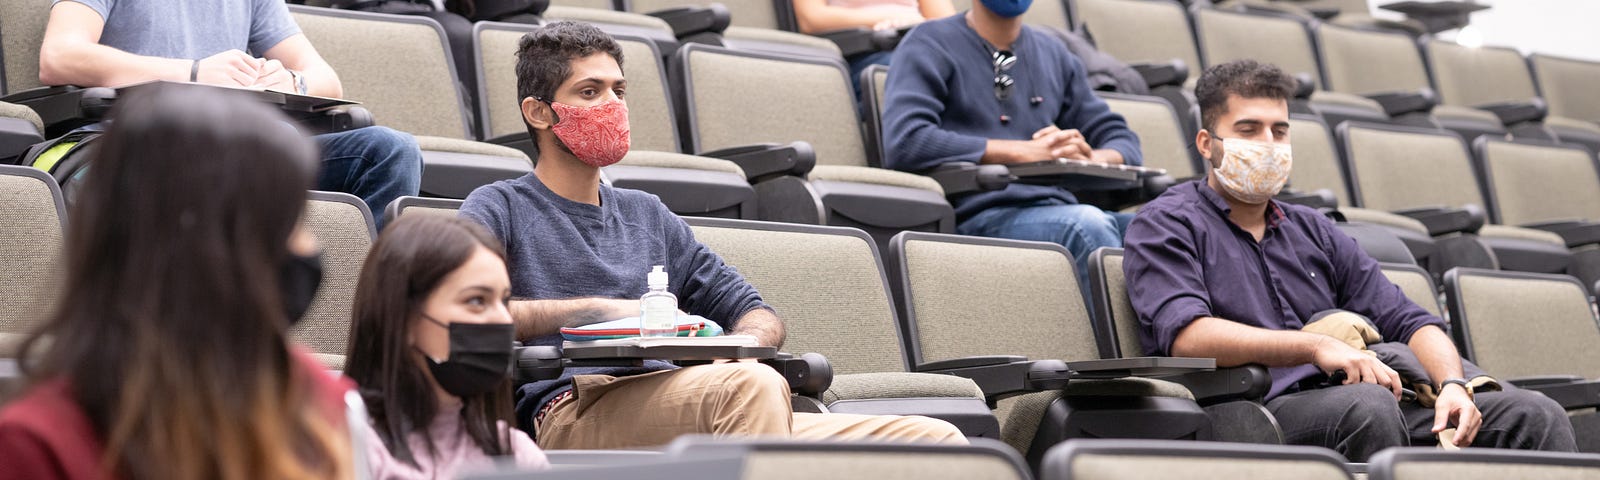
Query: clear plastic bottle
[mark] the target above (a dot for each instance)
(658, 308)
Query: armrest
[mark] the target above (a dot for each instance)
(1512, 113)
(1151, 367)
(809, 374)
(1174, 72)
(1321, 198)
(768, 160)
(1575, 233)
(859, 40)
(963, 177)
(337, 120)
(1571, 396)
(1400, 103)
(1249, 382)
(1544, 380)
(535, 363)
(1005, 375)
(501, 11)
(1442, 220)
(63, 108)
(695, 19)
(968, 362)
(1323, 13)
(16, 135)
(852, 41)
(1304, 86)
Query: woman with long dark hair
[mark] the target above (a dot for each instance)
(169, 356)
(431, 346)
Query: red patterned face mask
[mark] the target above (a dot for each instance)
(598, 135)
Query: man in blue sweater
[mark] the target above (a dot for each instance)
(982, 87)
(578, 253)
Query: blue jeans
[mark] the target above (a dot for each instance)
(1079, 228)
(861, 62)
(378, 164)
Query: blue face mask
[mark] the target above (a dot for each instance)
(1007, 8)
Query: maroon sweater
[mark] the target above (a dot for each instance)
(44, 434)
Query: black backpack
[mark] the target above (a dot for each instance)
(65, 158)
(1106, 73)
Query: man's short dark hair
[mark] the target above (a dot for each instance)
(1245, 78)
(544, 56)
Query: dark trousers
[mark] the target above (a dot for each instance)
(1361, 420)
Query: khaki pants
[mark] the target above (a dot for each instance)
(729, 399)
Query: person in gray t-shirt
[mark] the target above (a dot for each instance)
(578, 251)
(233, 43)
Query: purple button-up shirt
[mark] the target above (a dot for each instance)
(1186, 260)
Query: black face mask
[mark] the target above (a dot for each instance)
(298, 279)
(480, 357)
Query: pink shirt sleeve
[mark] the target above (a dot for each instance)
(528, 454)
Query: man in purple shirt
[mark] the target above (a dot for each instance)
(1217, 269)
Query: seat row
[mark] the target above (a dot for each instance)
(1074, 460)
(989, 310)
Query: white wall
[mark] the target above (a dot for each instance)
(1569, 28)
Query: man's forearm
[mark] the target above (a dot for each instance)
(1437, 353)
(762, 324)
(1006, 152)
(95, 65)
(1107, 156)
(539, 318)
(1234, 344)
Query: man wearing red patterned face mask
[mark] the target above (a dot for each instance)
(578, 253)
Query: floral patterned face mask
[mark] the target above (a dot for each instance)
(1252, 172)
(598, 135)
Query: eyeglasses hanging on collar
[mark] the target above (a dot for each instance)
(1003, 61)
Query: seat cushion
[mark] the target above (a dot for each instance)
(1503, 231)
(678, 160)
(13, 110)
(1452, 112)
(824, 46)
(1346, 100)
(1572, 124)
(1379, 217)
(879, 176)
(859, 386)
(10, 343)
(330, 361)
(607, 16)
(454, 145)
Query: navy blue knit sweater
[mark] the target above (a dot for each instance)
(941, 106)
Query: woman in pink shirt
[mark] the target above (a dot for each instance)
(169, 355)
(431, 348)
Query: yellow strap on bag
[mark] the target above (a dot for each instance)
(48, 159)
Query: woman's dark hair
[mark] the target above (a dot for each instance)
(174, 338)
(410, 259)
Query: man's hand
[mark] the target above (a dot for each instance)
(232, 68)
(274, 76)
(1332, 355)
(1064, 143)
(1455, 408)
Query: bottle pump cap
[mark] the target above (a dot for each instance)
(657, 277)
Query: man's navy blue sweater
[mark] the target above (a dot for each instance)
(941, 106)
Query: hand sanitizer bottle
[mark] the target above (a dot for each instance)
(658, 308)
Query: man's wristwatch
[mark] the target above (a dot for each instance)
(1467, 387)
(299, 82)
